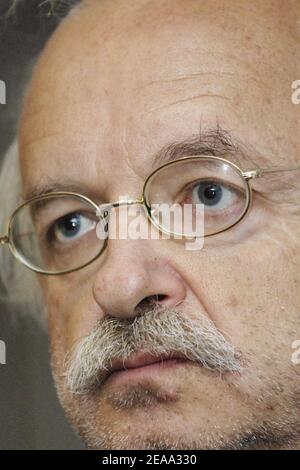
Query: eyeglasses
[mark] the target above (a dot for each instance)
(56, 233)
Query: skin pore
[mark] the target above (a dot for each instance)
(117, 82)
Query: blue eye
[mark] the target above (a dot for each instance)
(209, 193)
(214, 195)
(70, 227)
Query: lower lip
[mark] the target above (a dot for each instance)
(147, 371)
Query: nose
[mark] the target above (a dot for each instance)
(133, 280)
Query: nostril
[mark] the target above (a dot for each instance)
(149, 302)
(160, 297)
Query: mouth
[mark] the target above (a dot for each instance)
(142, 366)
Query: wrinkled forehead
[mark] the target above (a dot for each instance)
(141, 42)
(114, 67)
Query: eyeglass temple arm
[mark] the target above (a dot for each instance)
(260, 171)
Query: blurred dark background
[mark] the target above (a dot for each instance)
(30, 415)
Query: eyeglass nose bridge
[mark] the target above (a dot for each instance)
(103, 209)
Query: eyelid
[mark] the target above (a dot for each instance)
(231, 186)
(49, 225)
(52, 228)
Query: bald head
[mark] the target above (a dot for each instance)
(120, 67)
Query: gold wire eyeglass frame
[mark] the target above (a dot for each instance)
(144, 200)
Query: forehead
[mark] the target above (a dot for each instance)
(120, 82)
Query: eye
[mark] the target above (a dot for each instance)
(214, 195)
(70, 227)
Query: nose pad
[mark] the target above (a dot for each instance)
(104, 213)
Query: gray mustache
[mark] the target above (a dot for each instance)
(160, 332)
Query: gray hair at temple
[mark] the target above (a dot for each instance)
(59, 8)
(19, 288)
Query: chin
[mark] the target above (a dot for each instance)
(159, 423)
(192, 410)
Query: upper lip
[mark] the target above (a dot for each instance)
(140, 359)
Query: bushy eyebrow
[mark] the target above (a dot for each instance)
(215, 141)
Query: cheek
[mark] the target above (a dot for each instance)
(251, 290)
(72, 312)
(56, 324)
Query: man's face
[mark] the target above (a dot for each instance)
(117, 83)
